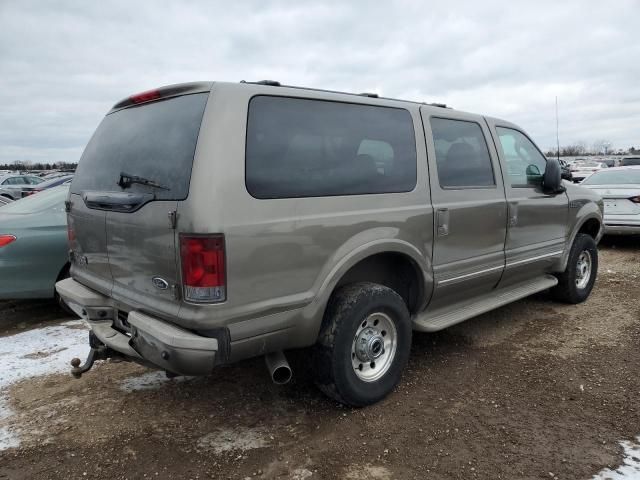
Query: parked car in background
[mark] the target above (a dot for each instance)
(566, 170)
(33, 245)
(51, 175)
(17, 186)
(609, 162)
(54, 182)
(620, 189)
(580, 169)
(630, 161)
(4, 200)
(213, 222)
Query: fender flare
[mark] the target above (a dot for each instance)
(583, 218)
(315, 310)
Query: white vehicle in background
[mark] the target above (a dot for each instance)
(581, 169)
(620, 189)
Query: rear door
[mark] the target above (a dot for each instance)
(469, 204)
(538, 220)
(133, 173)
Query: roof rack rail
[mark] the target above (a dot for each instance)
(275, 83)
(271, 83)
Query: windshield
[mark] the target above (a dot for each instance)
(614, 177)
(155, 141)
(49, 199)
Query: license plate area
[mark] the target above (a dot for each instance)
(618, 206)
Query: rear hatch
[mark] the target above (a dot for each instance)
(125, 193)
(619, 199)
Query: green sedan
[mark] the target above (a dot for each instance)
(33, 245)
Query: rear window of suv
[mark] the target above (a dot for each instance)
(156, 141)
(313, 148)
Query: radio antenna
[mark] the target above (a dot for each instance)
(557, 131)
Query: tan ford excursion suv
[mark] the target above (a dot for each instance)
(212, 222)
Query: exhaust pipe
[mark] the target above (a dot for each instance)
(278, 367)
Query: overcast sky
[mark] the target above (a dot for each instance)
(64, 64)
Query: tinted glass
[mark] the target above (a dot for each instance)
(156, 141)
(312, 148)
(462, 155)
(614, 177)
(525, 163)
(49, 199)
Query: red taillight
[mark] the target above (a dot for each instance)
(6, 240)
(635, 199)
(145, 96)
(203, 268)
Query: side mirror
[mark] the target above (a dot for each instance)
(552, 178)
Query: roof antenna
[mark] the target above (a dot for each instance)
(557, 131)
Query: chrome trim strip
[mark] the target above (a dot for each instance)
(468, 275)
(533, 259)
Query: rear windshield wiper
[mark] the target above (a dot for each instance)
(127, 180)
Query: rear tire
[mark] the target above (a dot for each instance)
(363, 345)
(576, 282)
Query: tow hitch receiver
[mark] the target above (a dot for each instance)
(94, 354)
(98, 351)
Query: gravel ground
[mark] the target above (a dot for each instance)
(533, 390)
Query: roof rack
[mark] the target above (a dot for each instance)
(274, 83)
(271, 83)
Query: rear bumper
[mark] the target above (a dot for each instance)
(149, 340)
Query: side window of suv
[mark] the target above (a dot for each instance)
(525, 163)
(314, 148)
(462, 155)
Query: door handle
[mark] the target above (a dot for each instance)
(442, 222)
(513, 214)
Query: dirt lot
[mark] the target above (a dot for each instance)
(533, 390)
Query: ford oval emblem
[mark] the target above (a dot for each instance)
(160, 283)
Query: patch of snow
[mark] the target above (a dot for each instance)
(40, 351)
(630, 468)
(148, 381)
(301, 474)
(240, 438)
(8, 439)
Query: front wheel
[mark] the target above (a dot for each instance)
(576, 282)
(363, 345)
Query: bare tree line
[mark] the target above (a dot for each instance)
(600, 147)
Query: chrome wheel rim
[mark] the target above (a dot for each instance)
(374, 347)
(583, 269)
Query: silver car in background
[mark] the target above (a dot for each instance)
(620, 189)
(581, 169)
(15, 187)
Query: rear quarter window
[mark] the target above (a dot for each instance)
(313, 148)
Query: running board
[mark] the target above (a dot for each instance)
(448, 316)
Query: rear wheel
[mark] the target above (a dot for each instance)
(576, 282)
(363, 345)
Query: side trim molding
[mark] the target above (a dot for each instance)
(536, 258)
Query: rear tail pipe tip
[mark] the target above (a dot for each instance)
(278, 367)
